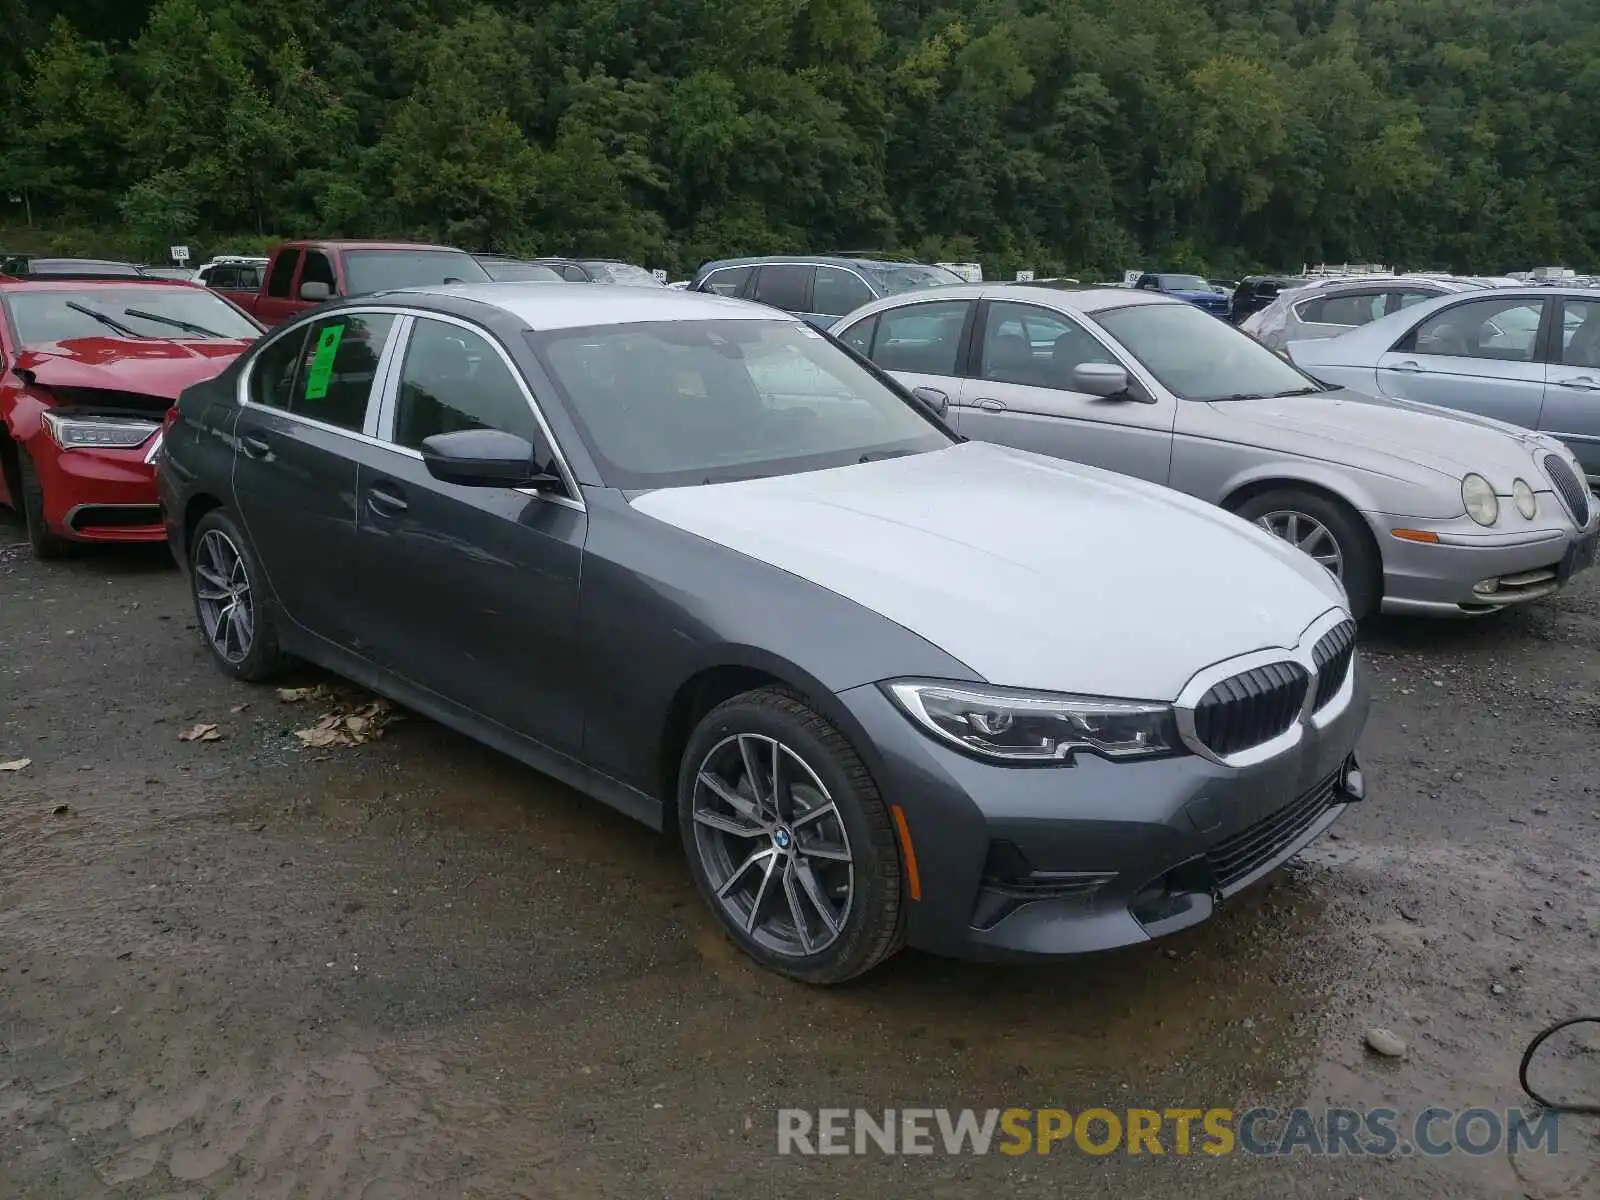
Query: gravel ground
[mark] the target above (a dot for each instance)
(240, 968)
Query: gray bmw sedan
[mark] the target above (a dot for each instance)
(694, 559)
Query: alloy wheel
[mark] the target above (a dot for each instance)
(1307, 534)
(222, 588)
(773, 845)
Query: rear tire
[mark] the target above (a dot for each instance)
(46, 545)
(226, 583)
(767, 859)
(1360, 569)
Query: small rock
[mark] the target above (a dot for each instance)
(1248, 1023)
(1539, 810)
(1458, 777)
(1497, 989)
(61, 809)
(1386, 1043)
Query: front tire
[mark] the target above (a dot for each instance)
(226, 582)
(1330, 533)
(45, 544)
(788, 839)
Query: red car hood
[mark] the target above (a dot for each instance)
(149, 366)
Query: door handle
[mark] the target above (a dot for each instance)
(255, 446)
(1408, 365)
(989, 404)
(385, 500)
(1582, 384)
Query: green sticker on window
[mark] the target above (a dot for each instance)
(322, 362)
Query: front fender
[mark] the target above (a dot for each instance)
(1364, 490)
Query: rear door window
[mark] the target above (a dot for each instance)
(784, 285)
(338, 363)
(1351, 310)
(1506, 330)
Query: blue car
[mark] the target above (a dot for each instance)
(1187, 287)
(819, 289)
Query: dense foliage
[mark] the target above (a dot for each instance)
(1086, 135)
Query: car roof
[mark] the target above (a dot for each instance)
(542, 307)
(1087, 298)
(356, 244)
(826, 260)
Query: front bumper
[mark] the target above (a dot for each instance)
(1018, 862)
(99, 495)
(1442, 578)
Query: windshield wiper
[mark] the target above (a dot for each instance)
(879, 455)
(186, 326)
(104, 319)
(1300, 391)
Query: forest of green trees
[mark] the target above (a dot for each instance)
(1067, 135)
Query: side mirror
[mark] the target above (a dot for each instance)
(315, 291)
(933, 398)
(485, 458)
(1105, 380)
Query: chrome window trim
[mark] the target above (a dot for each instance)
(390, 404)
(389, 371)
(1301, 653)
(242, 394)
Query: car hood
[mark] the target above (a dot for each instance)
(1393, 437)
(147, 366)
(1032, 571)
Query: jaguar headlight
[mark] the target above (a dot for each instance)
(1478, 495)
(1522, 496)
(1012, 726)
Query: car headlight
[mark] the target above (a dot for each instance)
(87, 429)
(1037, 727)
(1482, 504)
(1527, 503)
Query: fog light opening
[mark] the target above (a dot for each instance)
(1352, 782)
(1487, 587)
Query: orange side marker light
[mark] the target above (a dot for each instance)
(913, 879)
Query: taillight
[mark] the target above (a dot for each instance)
(168, 421)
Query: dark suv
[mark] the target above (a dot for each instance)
(1255, 292)
(817, 288)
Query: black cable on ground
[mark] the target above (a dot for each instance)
(1592, 1110)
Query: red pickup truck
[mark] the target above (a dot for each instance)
(303, 274)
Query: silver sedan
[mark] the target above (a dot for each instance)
(1530, 356)
(1414, 509)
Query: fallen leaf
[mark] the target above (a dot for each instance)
(16, 764)
(200, 733)
(295, 695)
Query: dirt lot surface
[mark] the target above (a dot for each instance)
(241, 968)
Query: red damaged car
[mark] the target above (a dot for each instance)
(88, 370)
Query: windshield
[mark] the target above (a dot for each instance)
(1198, 357)
(624, 273)
(1184, 283)
(521, 272)
(127, 311)
(678, 403)
(891, 281)
(381, 270)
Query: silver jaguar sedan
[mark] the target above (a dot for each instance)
(1413, 508)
